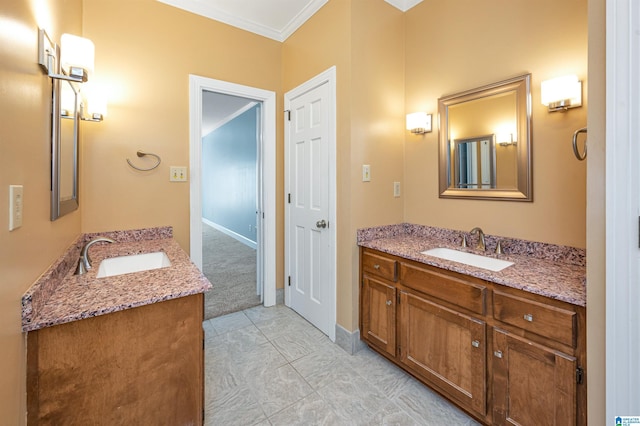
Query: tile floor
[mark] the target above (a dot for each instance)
(269, 366)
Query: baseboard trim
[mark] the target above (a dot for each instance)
(280, 296)
(240, 238)
(349, 341)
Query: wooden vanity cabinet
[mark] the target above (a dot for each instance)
(532, 384)
(378, 302)
(142, 365)
(537, 360)
(505, 356)
(445, 348)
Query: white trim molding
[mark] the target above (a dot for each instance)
(622, 209)
(267, 226)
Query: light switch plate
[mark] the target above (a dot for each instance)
(366, 173)
(177, 174)
(396, 189)
(15, 206)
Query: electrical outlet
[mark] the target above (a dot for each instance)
(396, 189)
(15, 206)
(178, 174)
(366, 173)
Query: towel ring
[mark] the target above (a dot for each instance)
(580, 156)
(142, 154)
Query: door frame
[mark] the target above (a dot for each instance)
(326, 77)
(267, 190)
(622, 323)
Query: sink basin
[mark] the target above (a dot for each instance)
(470, 259)
(134, 263)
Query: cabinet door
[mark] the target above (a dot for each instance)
(532, 384)
(445, 347)
(379, 314)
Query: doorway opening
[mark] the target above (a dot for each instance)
(232, 193)
(231, 129)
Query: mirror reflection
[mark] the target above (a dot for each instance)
(485, 142)
(64, 149)
(475, 165)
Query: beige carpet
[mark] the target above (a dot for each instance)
(231, 268)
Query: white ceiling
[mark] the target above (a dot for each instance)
(218, 109)
(275, 19)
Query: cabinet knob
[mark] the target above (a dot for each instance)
(376, 266)
(389, 302)
(497, 354)
(475, 343)
(528, 317)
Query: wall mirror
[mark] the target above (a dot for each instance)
(65, 117)
(485, 142)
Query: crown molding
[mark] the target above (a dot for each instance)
(403, 5)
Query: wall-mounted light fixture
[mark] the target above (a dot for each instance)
(562, 93)
(93, 104)
(73, 61)
(419, 122)
(505, 139)
(69, 66)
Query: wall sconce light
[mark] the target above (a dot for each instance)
(419, 122)
(72, 61)
(93, 106)
(68, 66)
(505, 139)
(562, 93)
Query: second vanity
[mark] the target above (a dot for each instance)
(123, 349)
(506, 346)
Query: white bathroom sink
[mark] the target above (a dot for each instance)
(134, 263)
(470, 259)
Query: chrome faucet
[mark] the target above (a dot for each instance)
(481, 244)
(84, 264)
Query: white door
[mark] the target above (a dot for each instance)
(309, 198)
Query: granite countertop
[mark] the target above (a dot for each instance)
(557, 272)
(59, 296)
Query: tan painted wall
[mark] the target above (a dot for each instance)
(457, 45)
(364, 40)
(145, 51)
(26, 252)
(377, 125)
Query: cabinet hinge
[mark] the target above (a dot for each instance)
(289, 198)
(579, 375)
(288, 112)
(289, 280)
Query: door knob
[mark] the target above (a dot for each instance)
(321, 224)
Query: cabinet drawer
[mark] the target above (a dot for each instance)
(445, 287)
(545, 320)
(379, 265)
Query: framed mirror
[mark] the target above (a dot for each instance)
(485, 142)
(65, 117)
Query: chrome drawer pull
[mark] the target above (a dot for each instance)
(376, 266)
(389, 302)
(475, 343)
(528, 317)
(497, 354)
